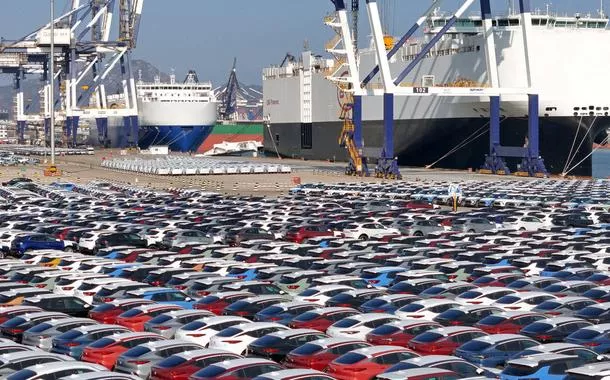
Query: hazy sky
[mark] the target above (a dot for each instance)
(205, 35)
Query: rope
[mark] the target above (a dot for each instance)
(604, 142)
(572, 148)
(479, 132)
(582, 141)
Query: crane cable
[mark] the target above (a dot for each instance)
(468, 140)
(604, 142)
(573, 143)
(582, 141)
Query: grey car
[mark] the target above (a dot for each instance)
(473, 225)
(42, 335)
(419, 227)
(16, 361)
(140, 359)
(183, 238)
(166, 324)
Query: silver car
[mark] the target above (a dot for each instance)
(42, 335)
(54, 370)
(473, 225)
(101, 375)
(166, 324)
(140, 359)
(183, 238)
(10, 363)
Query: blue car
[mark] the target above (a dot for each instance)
(388, 303)
(596, 337)
(112, 252)
(494, 350)
(284, 312)
(540, 367)
(162, 295)
(381, 276)
(31, 242)
(117, 270)
(247, 272)
(73, 342)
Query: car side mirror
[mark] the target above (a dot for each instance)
(480, 371)
(188, 299)
(601, 358)
(282, 292)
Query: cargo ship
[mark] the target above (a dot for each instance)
(568, 72)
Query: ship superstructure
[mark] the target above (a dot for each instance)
(567, 64)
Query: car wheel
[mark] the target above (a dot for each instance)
(522, 229)
(363, 237)
(471, 231)
(418, 233)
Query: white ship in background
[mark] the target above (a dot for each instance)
(180, 115)
(569, 71)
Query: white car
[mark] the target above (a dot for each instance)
(55, 370)
(426, 309)
(357, 326)
(321, 293)
(524, 223)
(200, 331)
(155, 236)
(484, 295)
(88, 288)
(67, 285)
(87, 242)
(524, 301)
(365, 231)
(237, 338)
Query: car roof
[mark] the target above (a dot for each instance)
(372, 351)
(499, 338)
(228, 364)
(415, 372)
(533, 361)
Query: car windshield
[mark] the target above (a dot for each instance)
(350, 358)
(136, 352)
(307, 349)
(475, 346)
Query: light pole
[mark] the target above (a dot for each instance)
(52, 87)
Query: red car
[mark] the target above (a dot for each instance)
(318, 353)
(183, 365)
(443, 341)
(217, 302)
(321, 319)
(302, 233)
(510, 322)
(107, 312)
(237, 369)
(9, 312)
(367, 362)
(400, 333)
(135, 318)
(131, 255)
(106, 351)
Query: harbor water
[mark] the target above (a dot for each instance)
(601, 163)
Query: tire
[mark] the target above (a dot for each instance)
(68, 249)
(522, 229)
(363, 237)
(418, 233)
(471, 231)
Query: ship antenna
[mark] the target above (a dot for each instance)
(548, 7)
(139, 75)
(601, 9)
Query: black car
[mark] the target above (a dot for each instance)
(572, 220)
(465, 315)
(277, 345)
(354, 298)
(553, 329)
(234, 237)
(69, 305)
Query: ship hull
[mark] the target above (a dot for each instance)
(177, 138)
(232, 133)
(421, 142)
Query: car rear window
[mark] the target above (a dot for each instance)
(209, 372)
(549, 305)
(385, 330)
(230, 331)
(350, 358)
(192, 326)
(518, 371)
(307, 349)
(101, 343)
(585, 334)
(272, 310)
(40, 328)
(471, 294)
(69, 335)
(538, 327)
(344, 323)
(475, 346)
(307, 316)
(160, 319)
(268, 341)
(591, 311)
(136, 352)
(131, 313)
(428, 337)
(412, 307)
(13, 322)
(103, 308)
(492, 320)
(508, 299)
(24, 374)
(172, 361)
(308, 292)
